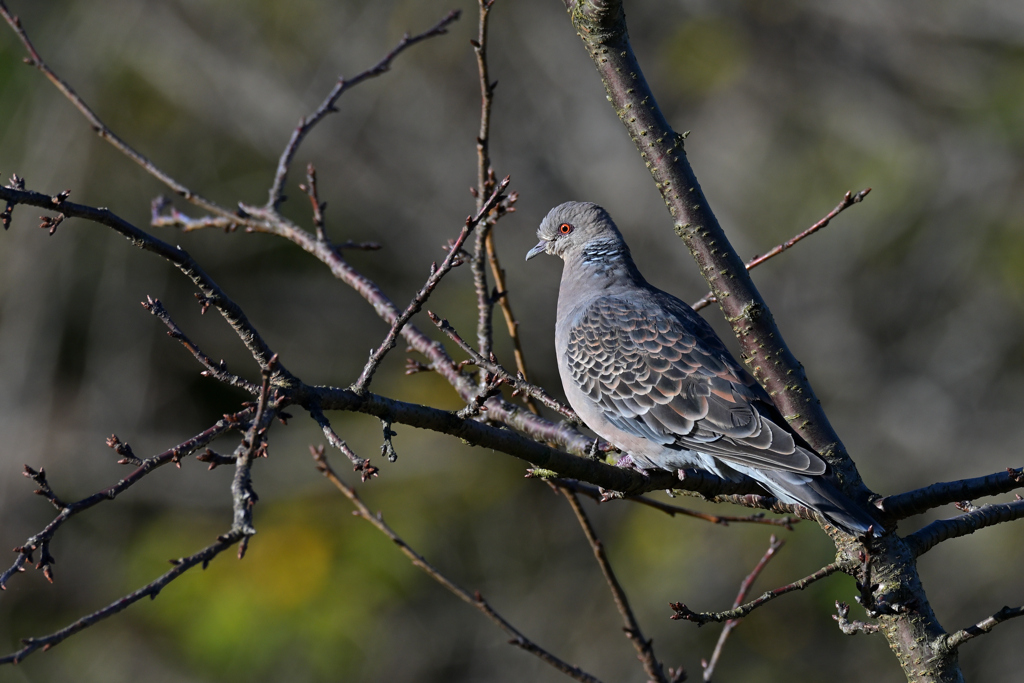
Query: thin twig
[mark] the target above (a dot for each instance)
(848, 200)
(774, 545)
(681, 611)
(644, 647)
(151, 590)
(476, 600)
(436, 273)
(851, 626)
(903, 505)
(925, 539)
(518, 384)
(211, 291)
(41, 541)
(672, 510)
(218, 371)
(954, 640)
(326, 107)
(34, 59)
(361, 465)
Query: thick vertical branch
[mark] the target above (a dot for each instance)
(601, 25)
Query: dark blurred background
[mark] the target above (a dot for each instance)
(908, 313)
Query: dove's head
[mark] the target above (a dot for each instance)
(578, 228)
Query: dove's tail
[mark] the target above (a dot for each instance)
(822, 496)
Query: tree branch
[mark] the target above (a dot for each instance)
(99, 127)
(681, 611)
(476, 600)
(212, 293)
(150, 590)
(903, 505)
(644, 647)
(849, 200)
(218, 371)
(326, 107)
(955, 640)
(518, 384)
(41, 541)
(436, 273)
(601, 24)
(774, 545)
(602, 496)
(925, 539)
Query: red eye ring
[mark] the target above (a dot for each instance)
(565, 228)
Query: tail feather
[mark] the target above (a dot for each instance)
(822, 496)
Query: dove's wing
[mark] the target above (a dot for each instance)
(658, 371)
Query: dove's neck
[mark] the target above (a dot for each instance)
(604, 263)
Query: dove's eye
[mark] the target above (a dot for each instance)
(565, 228)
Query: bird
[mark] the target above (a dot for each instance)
(649, 375)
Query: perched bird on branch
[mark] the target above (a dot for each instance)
(649, 375)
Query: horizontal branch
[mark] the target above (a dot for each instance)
(925, 539)
(681, 611)
(903, 505)
(504, 440)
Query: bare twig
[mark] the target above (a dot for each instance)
(34, 59)
(436, 273)
(851, 626)
(681, 611)
(326, 107)
(954, 640)
(476, 600)
(672, 510)
(212, 293)
(644, 647)
(218, 371)
(848, 200)
(41, 541)
(151, 590)
(903, 505)
(774, 545)
(925, 539)
(518, 384)
(361, 465)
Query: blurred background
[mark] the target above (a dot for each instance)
(907, 312)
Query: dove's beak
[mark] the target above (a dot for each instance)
(539, 249)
